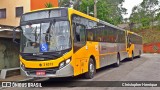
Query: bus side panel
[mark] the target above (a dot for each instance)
(121, 48)
(138, 49)
(82, 56)
(108, 54)
(109, 51)
(93, 49)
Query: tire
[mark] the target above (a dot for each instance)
(117, 64)
(91, 70)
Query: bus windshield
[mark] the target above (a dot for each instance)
(45, 37)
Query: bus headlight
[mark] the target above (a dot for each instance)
(68, 61)
(64, 63)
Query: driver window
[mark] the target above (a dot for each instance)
(79, 34)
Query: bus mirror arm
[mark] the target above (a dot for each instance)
(14, 35)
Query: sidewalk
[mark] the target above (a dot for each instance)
(16, 78)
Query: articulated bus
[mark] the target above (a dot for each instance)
(62, 42)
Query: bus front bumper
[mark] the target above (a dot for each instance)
(55, 72)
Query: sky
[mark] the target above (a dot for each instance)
(129, 4)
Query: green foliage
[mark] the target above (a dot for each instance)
(147, 37)
(108, 10)
(145, 13)
(64, 3)
(48, 5)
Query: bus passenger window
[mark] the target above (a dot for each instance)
(90, 35)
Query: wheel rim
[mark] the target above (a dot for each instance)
(91, 68)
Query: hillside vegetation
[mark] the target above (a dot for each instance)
(149, 36)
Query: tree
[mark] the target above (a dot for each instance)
(63, 3)
(149, 6)
(66, 3)
(108, 10)
(145, 13)
(48, 5)
(139, 16)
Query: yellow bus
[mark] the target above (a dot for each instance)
(134, 45)
(61, 42)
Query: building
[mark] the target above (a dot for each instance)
(10, 12)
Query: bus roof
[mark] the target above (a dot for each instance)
(80, 13)
(133, 33)
(111, 25)
(96, 19)
(84, 15)
(44, 9)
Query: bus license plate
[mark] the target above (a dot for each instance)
(40, 73)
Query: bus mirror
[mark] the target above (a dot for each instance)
(15, 39)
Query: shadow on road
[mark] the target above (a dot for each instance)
(73, 81)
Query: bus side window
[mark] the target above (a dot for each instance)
(90, 35)
(79, 34)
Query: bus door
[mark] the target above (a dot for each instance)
(80, 48)
(129, 45)
(128, 42)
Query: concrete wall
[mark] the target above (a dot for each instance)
(10, 6)
(8, 53)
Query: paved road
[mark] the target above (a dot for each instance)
(146, 68)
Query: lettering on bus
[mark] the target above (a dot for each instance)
(45, 64)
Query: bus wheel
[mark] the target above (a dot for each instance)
(91, 69)
(118, 61)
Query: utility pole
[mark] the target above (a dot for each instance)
(87, 7)
(71, 4)
(95, 8)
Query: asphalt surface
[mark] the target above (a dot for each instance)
(146, 68)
